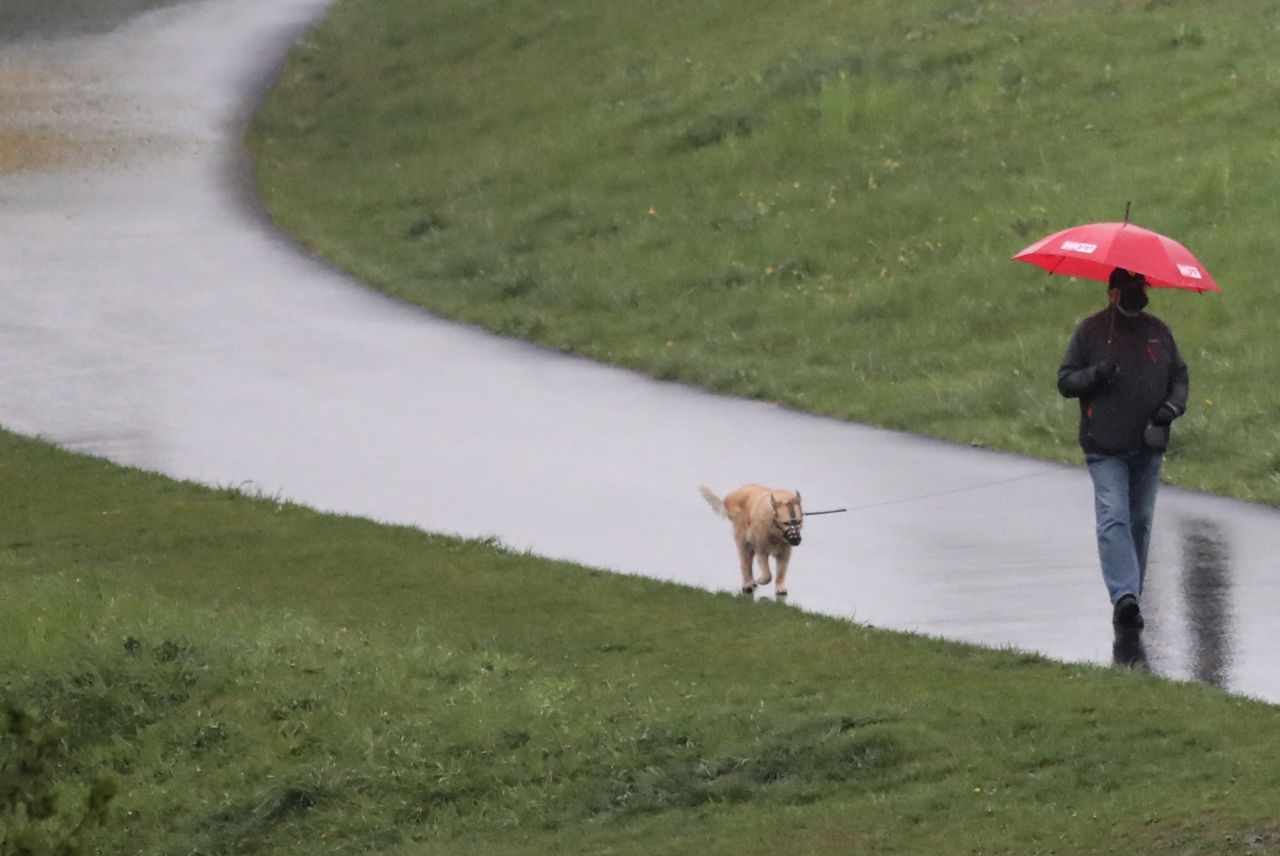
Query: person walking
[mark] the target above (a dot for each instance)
(1124, 366)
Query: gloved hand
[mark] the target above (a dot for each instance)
(1106, 371)
(1164, 414)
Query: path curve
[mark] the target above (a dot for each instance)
(154, 318)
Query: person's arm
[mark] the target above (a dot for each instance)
(1077, 376)
(1175, 402)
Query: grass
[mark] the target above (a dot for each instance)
(807, 203)
(250, 676)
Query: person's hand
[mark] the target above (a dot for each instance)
(1164, 414)
(1106, 371)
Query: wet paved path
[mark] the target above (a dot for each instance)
(152, 317)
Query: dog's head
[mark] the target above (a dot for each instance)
(788, 517)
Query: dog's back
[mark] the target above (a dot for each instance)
(751, 508)
(747, 503)
(738, 504)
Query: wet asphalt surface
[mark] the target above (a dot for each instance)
(152, 316)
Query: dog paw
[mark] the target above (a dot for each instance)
(781, 593)
(748, 589)
(763, 581)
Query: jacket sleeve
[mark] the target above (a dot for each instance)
(1075, 376)
(1179, 383)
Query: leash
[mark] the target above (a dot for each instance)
(965, 489)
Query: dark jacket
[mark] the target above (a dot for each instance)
(1149, 372)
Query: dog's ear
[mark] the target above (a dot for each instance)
(773, 500)
(797, 496)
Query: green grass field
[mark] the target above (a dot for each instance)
(812, 203)
(252, 677)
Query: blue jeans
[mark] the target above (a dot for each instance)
(1124, 502)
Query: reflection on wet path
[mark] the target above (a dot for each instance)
(1194, 637)
(152, 318)
(1206, 591)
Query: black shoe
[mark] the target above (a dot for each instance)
(1128, 650)
(1127, 613)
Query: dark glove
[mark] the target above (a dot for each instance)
(1156, 437)
(1106, 371)
(1164, 414)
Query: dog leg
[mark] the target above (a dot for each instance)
(762, 559)
(745, 555)
(782, 560)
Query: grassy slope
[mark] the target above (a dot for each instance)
(264, 678)
(811, 203)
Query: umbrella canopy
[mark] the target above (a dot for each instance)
(1094, 250)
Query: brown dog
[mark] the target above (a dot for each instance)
(766, 523)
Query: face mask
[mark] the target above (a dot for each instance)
(1133, 299)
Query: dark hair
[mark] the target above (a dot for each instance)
(1121, 278)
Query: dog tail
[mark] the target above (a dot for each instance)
(716, 503)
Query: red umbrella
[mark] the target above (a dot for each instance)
(1095, 249)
